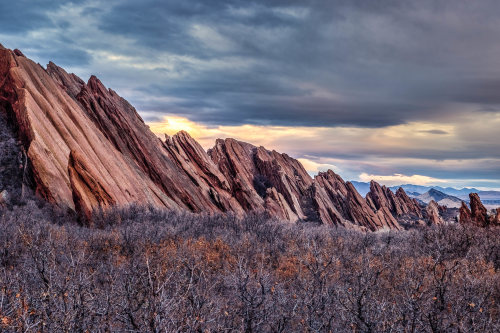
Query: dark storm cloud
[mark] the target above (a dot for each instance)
(69, 57)
(164, 25)
(24, 15)
(360, 63)
(389, 61)
(20, 16)
(259, 98)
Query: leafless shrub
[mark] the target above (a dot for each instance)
(142, 269)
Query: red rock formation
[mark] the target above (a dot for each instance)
(88, 148)
(432, 211)
(280, 185)
(125, 129)
(202, 171)
(164, 163)
(399, 204)
(338, 202)
(235, 160)
(52, 124)
(276, 204)
(478, 211)
(495, 219)
(477, 214)
(288, 176)
(69, 82)
(408, 205)
(465, 215)
(88, 191)
(18, 53)
(57, 113)
(262, 179)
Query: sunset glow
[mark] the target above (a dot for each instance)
(323, 148)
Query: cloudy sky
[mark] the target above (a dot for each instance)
(397, 91)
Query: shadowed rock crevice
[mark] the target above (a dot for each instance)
(11, 154)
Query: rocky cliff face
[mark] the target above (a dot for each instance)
(338, 202)
(496, 218)
(477, 214)
(88, 148)
(261, 178)
(432, 211)
(280, 184)
(53, 125)
(478, 211)
(398, 204)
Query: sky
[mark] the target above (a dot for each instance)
(396, 91)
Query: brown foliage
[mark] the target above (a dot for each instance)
(147, 270)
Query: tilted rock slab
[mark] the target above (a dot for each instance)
(52, 125)
(433, 215)
(89, 149)
(477, 214)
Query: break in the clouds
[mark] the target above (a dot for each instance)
(347, 71)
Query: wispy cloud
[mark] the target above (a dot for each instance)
(398, 179)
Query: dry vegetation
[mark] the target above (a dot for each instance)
(146, 270)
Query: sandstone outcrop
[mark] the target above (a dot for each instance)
(89, 149)
(261, 178)
(478, 211)
(126, 131)
(236, 162)
(477, 214)
(52, 124)
(69, 82)
(465, 215)
(495, 219)
(346, 204)
(432, 211)
(398, 204)
(202, 172)
(408, 205)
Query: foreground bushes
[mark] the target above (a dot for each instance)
(144, 270)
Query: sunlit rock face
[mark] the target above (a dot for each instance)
(89, 149)
(52, 124)
(433, 215)
(267, 179)
(478, 211)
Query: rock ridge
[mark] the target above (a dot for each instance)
(89, 149)
(477, 214)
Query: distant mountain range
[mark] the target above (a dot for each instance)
(441, 198)
(460, 193)
(443, 195)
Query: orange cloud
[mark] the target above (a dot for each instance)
(355, 153)
(398, 179)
